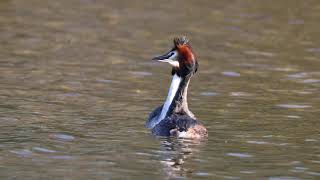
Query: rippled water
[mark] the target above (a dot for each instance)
(77, 84)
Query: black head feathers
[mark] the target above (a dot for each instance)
(180, 41)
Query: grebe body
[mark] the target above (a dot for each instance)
(174, 118)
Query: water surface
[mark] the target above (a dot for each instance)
(77, 84)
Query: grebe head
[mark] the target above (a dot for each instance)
(181, 57)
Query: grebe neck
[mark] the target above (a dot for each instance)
(175, 83)
(176, 101)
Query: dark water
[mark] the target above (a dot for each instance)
(77, 84)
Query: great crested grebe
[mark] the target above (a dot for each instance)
(174, 118)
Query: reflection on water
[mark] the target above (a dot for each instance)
(77, 84)
(174, 153)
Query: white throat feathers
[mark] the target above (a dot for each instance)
(176, 80)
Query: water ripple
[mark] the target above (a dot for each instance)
(261, 53)
(293, 106)
(140, 73)
(283, 178)
(240, 155)
(236, 94)
(231, 73)
(65, 157)
(209, 94)
(43, 150)
(62, 137)
(22, 152)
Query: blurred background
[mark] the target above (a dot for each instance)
(77, 85)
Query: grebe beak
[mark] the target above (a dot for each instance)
(171, 57)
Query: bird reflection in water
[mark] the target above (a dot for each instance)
(174, 155)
